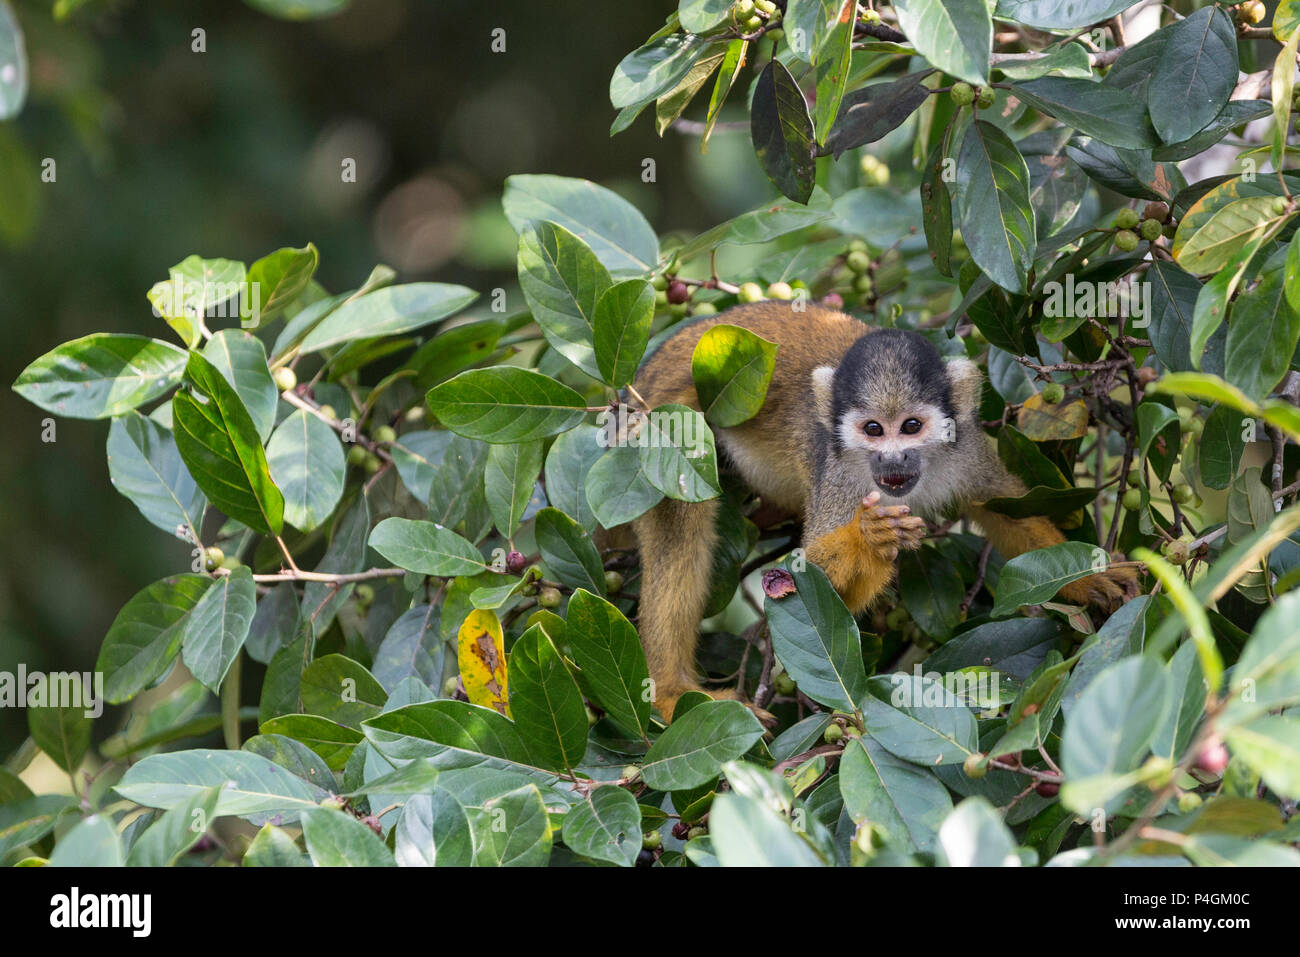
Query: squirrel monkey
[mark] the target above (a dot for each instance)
(860, 430)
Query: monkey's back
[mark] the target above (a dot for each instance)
(773, 450)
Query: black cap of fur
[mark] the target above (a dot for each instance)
(894, 362)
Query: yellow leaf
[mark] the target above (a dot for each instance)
(481, 654)
(1042, 422)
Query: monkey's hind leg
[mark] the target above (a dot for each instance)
(676, 541)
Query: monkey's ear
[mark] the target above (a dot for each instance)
(822, 377)
(967, 381)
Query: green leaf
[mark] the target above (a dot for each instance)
(621, 329)
(649, 72)
(954, 35)
(936, 211)
(568, 552)
(332, 742)
(251, 786)
(810, 27)
(562, 281)
(1094, 109)
(919, 720)
(338, 688)
(770, 221)
(1060, 14)
(818, 641)
(307, 463)
(196, 288)
(412, 647)
(13, 64)
(905, 801)
(618, 489)
(1234, 113)
(346, 555)
(299, 9)
(1034, 577)
(456, 726)
(612, 227)
(1263, 333)
(678, 455)
(1173, 305)
(241, 358)
(456, 492)
(996, 219)
(220, 445)
(833, 68)
(433, 831)
(336, 839)
(1221, 446)
(545, 702)
(974, 835)
(695, 746)
(145, 637)
(1109, 731)
(59, 713)
(605, 827)
(26, 819)
(281, 278)
(701, 16)
(506, 404)
(387, 312)
(1267, 675)
(570, 459)
(175, 832)
(418, 456)
(748, 833)
(732, 368)
(218, 625)
(425, 548)
(1187, 703)
(1271, 746)
(145, 466)
(1196, 74)
(608, 653)
(1067, 59)
(273, 847)
(101, 375)
(782, 132)
(92, 842)
(525, 838)
(508, 482)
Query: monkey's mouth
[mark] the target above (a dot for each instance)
(897, 483)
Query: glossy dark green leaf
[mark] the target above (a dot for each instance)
(907, 802)
(936, 211)
(338, 688)
(954, 35)
(996, 219)
(175, 832)
(101, 375)
(1195, 76)
(433, 831)
(1060, 14)
(568, 463)
(241, 358)
(545, 702)
(1094, 109)
(145, 637)
(506, 404)
(608, 653)
(220, 445)
(782, 132)
(60, 711)
(417, 457)
(337, 839)
(568, 552)
(695, 746)
(562, 281)
(818, 641)
(605, 827)
(387, 312)
(678, 456)
(332, 742)
(346, 555)
(1221, 447)
(1034, 577)
(217, 626)
(1263, 332)
(509, 478)
(412, 647)
(918, 719)
(425, 548)
(621, 330)
(618, 489)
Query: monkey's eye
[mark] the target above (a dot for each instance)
(911, 427)
(874, 429)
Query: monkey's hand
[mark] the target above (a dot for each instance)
(888, 529)
(1105, 591)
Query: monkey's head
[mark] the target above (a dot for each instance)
(896, 406)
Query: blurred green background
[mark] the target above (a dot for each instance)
(162, 152)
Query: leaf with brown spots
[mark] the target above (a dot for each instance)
(1042, 422)
(481, 654)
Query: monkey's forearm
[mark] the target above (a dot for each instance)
(858, 572)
